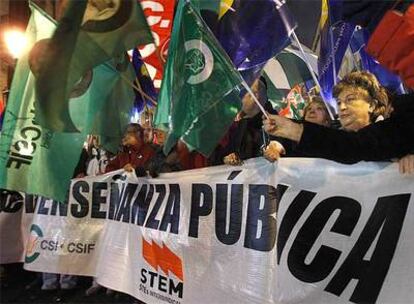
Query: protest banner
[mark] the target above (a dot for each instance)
(14, 223)
(296, 231)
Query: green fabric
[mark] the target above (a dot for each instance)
(296, 72)
(75, 49)
(274, 94)
(107, 103)
(198, 76)
(209, 11)
(210, 5)
(101, 107)
(294, 67)
(34, 159)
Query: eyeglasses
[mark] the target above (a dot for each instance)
(349, 99)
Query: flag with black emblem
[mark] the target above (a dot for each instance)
(34, 159)
(89, 33)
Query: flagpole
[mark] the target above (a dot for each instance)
(331, 29)
(249, 90)
(124, 78)
(136, 81)
(142, 93)
(315, 79)
(44, 14)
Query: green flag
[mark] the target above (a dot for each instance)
(34, 159)
(212, 6)
(198, 76)
(89, 34)
(106, 97)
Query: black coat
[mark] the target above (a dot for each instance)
(384, 140)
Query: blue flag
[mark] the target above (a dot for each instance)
(145, 83)
(336, 10)
(386, 78)
(251, 33)
(334, 42)
(335, 38)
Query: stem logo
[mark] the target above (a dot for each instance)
(32, 244)
(162, 258)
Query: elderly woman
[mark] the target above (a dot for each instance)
(361, 102)
(314, 112)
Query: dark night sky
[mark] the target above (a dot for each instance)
(307, 13)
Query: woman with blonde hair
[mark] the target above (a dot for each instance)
(316, 112)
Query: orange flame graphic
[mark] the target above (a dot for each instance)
(162, 257)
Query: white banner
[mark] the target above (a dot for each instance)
(298, 231)
(15, 218)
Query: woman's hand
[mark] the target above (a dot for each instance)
(233, 160)
(273, 151)
(406, 164)
(128, 168)
(282, 127)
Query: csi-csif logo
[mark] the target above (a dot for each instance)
(31, 253)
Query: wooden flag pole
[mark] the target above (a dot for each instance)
(142, 93)
(136, 81)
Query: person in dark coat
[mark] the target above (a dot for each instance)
(244, 138)
(383, 140)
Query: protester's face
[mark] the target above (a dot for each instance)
(354, 109)
(316, 113)
(95, 141)
(160, 136)
(131, 138)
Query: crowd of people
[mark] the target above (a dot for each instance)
(374, 126)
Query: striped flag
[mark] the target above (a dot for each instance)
(283, 74)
